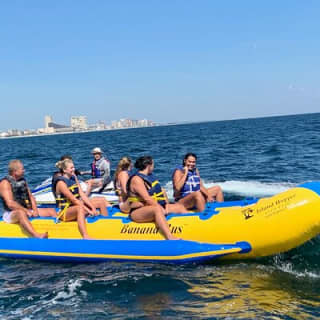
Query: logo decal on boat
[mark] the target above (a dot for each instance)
(247, 213)
(269, 208)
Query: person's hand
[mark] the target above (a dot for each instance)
(210, 198)
(92, 211)
(29, 213)
(185, 168)
(35, 213)
(164, 210)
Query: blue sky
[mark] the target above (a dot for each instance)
(163, 60)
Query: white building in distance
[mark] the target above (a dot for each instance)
(79, 122)
(47, 120)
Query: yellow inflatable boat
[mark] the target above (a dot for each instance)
(229, 230)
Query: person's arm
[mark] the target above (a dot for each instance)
(138, 187)
(105, 166)
(165, 195)
(88, 172)
(123, 178)
(86, 201)
(7, 195)
(106, 179)
(34, 208)
(179, 178)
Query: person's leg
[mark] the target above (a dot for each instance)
(153, 213)
(89, 184)
(176, 208)
(101, 204)
(217, 193)
(194, 200)
(47, 212)
(78, 213)
(19, 216)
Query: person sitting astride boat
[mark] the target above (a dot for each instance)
(100, 172)
(188, 187)
(70, 199)
(19, 203)
(96, 201)
(146, 197)
(121, 178)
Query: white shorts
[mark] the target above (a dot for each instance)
(7, 217)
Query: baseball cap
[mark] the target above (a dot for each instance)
(96, 150)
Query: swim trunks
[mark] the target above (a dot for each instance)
(7, 217)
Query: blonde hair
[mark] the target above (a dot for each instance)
(14, 165)
(62, 164)
(123, 164)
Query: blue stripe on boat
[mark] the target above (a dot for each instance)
(179, 251)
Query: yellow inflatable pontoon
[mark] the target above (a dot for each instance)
(228, 230)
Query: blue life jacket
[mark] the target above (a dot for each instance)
(96, 170)
(153, 187)
(191, 184)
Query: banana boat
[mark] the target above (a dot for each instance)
(230, 230)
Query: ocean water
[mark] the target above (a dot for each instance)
(247, 158)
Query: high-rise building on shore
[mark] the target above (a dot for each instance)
(47, 121)
(48, 125)
(79, 122)
(129, 123)
(52, 127)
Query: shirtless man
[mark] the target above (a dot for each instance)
(18, 201)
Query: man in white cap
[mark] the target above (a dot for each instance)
(100, 171)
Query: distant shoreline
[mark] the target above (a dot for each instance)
(158, 125)
(82, 131)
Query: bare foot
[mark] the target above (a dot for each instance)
(42, 235)
(88, 238)
(174, 238)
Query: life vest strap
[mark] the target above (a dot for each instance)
(63, 212)
(65, 203)
(156, 196)
(154, 183)
(134, 199)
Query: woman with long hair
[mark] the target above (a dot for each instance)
(147, 199)
(72, 202)
(121, 178)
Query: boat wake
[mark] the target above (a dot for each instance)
(244, 188)
(234, 187)
(301, 262)
(252, 188)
